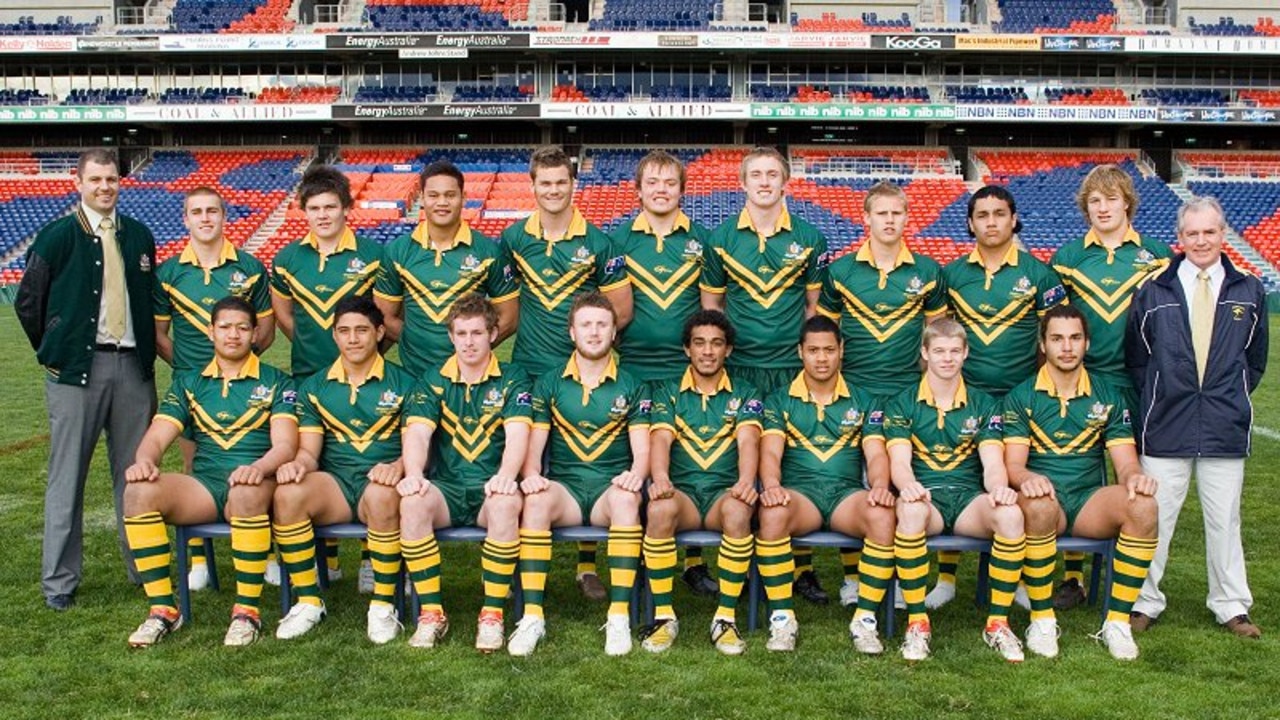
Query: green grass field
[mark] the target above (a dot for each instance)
(76, 664)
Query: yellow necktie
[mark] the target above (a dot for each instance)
(113, 291)
(1202, 308)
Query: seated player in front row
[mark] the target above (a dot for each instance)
(947, 461)
(817, 433)
(1056, 425)
(595, 418)
(346, 469)
(240, 412)
(705, 449)
(482, 409)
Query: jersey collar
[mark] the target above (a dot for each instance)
(784, 222)
(800, 388)
(337, 371)
(925, 395)
(461, 237)
(1010, 256)
(228, 254)
(571, 369)
(641, 223)
(251, 368)
(687, 382)
(1044, 383)
(1130, 236)
(453, 372)
(904, 255)
(577, 226)
(346, 241)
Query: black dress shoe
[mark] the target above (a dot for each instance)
(808, 587)
(699, 580)
(61, 602)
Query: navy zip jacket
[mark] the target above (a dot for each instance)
(1177, 417)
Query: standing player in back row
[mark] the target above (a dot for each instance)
(442, 260)
(882, 296)
(764, 268)
(663, 249)
(557, 256)
(998, 292)
(1101, 273)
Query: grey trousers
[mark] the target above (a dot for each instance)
(118, 400)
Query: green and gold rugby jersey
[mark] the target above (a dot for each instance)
(765, 280)
(882, 315)
(705, 449)
(472, 418)
(944, 441)
(1101, 282)
(589, 428)
(552, 274)
(1001, 312)
(433, 279)
(1067, 436)
(315, 283)
(186, 292)
(230, 416)
(664, 274)
(360, 423)
(823, 443)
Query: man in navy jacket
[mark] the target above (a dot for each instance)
(1196, 348)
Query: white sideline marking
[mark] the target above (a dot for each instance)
(1266, 432)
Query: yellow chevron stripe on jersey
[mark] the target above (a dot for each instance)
(436, 305)
(321, 311)
(228, 435)
(588, 447)
(189, 309)
(663, 293)
(881, 327)
(988, 330)
(942, 460)
(705, 452)
(1109, 306)
(552, 295)
(469, 444)
(765, 293)
(383, 429)
(796, 438)
(1081, 443)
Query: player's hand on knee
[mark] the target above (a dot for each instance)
(880, 497)
(775, 497)
(290, 472)
(534, 484)
(413, 485)
(628, 480)
(142, 471)
(385, 474)
(1003, 496)
(661, 489)
(1140, 484)
(914, 492)
(501, 485)
(1038, 486)
(745, 490)
(245, 475)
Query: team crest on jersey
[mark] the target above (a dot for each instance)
(581, 256)
(852, 418)
(970, 426)
(469, 264)
(355, 268)
(619, 406)
(1021, 288)
(389, 402)
(237, 285)
(1145, 261)
(260, 397)
(795, 254)
(692, 250)
(493, 400)
(1097, 414)
(915, 286)
(1237, 312)
(731, 409)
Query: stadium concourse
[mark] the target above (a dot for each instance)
(827, 189)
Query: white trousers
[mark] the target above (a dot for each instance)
(1219, 482)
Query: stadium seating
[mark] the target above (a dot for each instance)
(985, 94)
(1225, 27)
(1047, 16)
(266, 18)
(62, 25)
(624, 15)
(419, 15)
(856, 93)
(209, 16)
(830, 22)
(1086, 96)
(1185, 97)
(396, 93)
(1248, 186)
(105, 96)
(1260, 98)
(299, 95)
(493, 93)
(203, 96)
(23, 97)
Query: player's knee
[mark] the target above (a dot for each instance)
(141, 497)
(503, 507)
(881, 523)
(735, 516)
(537, 509)
(912, 516)
(623, 502)
(662, 512)
(288, 503)
(1144, 515)
(1007, 521)
(774, 522)
(382, 506)
(1040, 515)
(247, 501)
